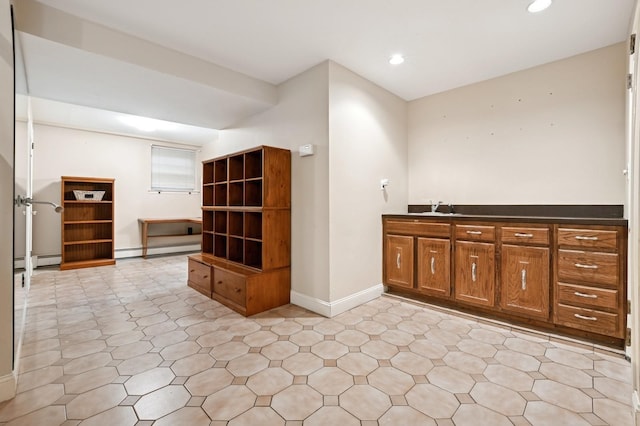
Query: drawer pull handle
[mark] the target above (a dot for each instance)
(585, 317)
(474, 275)
(521, 235)
(588, 296)
(583, 266)
(433, 265)
(582, 237)
(524, 279)
(398, 260)
(474, 232)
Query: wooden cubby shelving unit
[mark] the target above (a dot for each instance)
(246, 230)
(87, 225)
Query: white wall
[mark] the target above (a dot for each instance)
(359, 133)
(69, 152)
(553, 134)
(299, 118)
(367, 142)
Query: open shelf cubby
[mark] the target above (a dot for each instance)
(236, 167)
(253, 165)
(236, 193)
(236, 225)
(207, 173)
(220, 224)
(219, 170)
(207, 195)
(253, 225)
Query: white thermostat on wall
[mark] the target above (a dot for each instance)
(306, 150)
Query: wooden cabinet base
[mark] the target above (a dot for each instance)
(245, 290)
(86, 264)
(199, 275)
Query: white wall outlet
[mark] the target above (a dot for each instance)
(306, 150)
(384, 183)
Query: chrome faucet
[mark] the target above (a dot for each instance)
(434, 206)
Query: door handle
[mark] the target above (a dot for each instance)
(474, 268)
(27, 201)
(433, 265)
(523, 279)
(398, 260)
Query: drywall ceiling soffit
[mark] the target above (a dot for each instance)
(48, 112)
(87, 64)
(447, 44)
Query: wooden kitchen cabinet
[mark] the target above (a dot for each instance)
(434, 266)
(589, 283)
(475, 273)
(541, 273)
(399, 260)
(525, 281)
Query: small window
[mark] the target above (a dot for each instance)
(173, 169)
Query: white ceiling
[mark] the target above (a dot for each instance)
(447, 44)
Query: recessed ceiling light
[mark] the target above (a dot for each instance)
(396, 59)
(538, 5)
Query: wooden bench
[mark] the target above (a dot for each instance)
(146, 222)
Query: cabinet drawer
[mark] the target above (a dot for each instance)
(200, 277)
(591, 267)
(588, 320)
(229, 286)
(587, 238)
(418, 227)
(520, 235)
(590, 296)
(475, 232)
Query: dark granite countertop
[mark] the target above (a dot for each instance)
(446, 217)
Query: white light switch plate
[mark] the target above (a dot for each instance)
(306, 150)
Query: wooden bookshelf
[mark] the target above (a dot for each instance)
(87, 224)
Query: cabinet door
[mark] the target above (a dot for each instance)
(433, 266)
(525, 281)
(399, 260)
(475, 273)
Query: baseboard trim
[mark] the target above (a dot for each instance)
(635, 407)
(119, 254)
(7, 387)
(331, 309)
(313, 304)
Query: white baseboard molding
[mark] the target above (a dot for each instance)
(7, 387)
(152, 251)
(331, 309)
(119, 254)
(635, 408)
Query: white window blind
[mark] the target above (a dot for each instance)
(173, 169)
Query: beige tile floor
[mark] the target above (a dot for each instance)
(131, 344)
